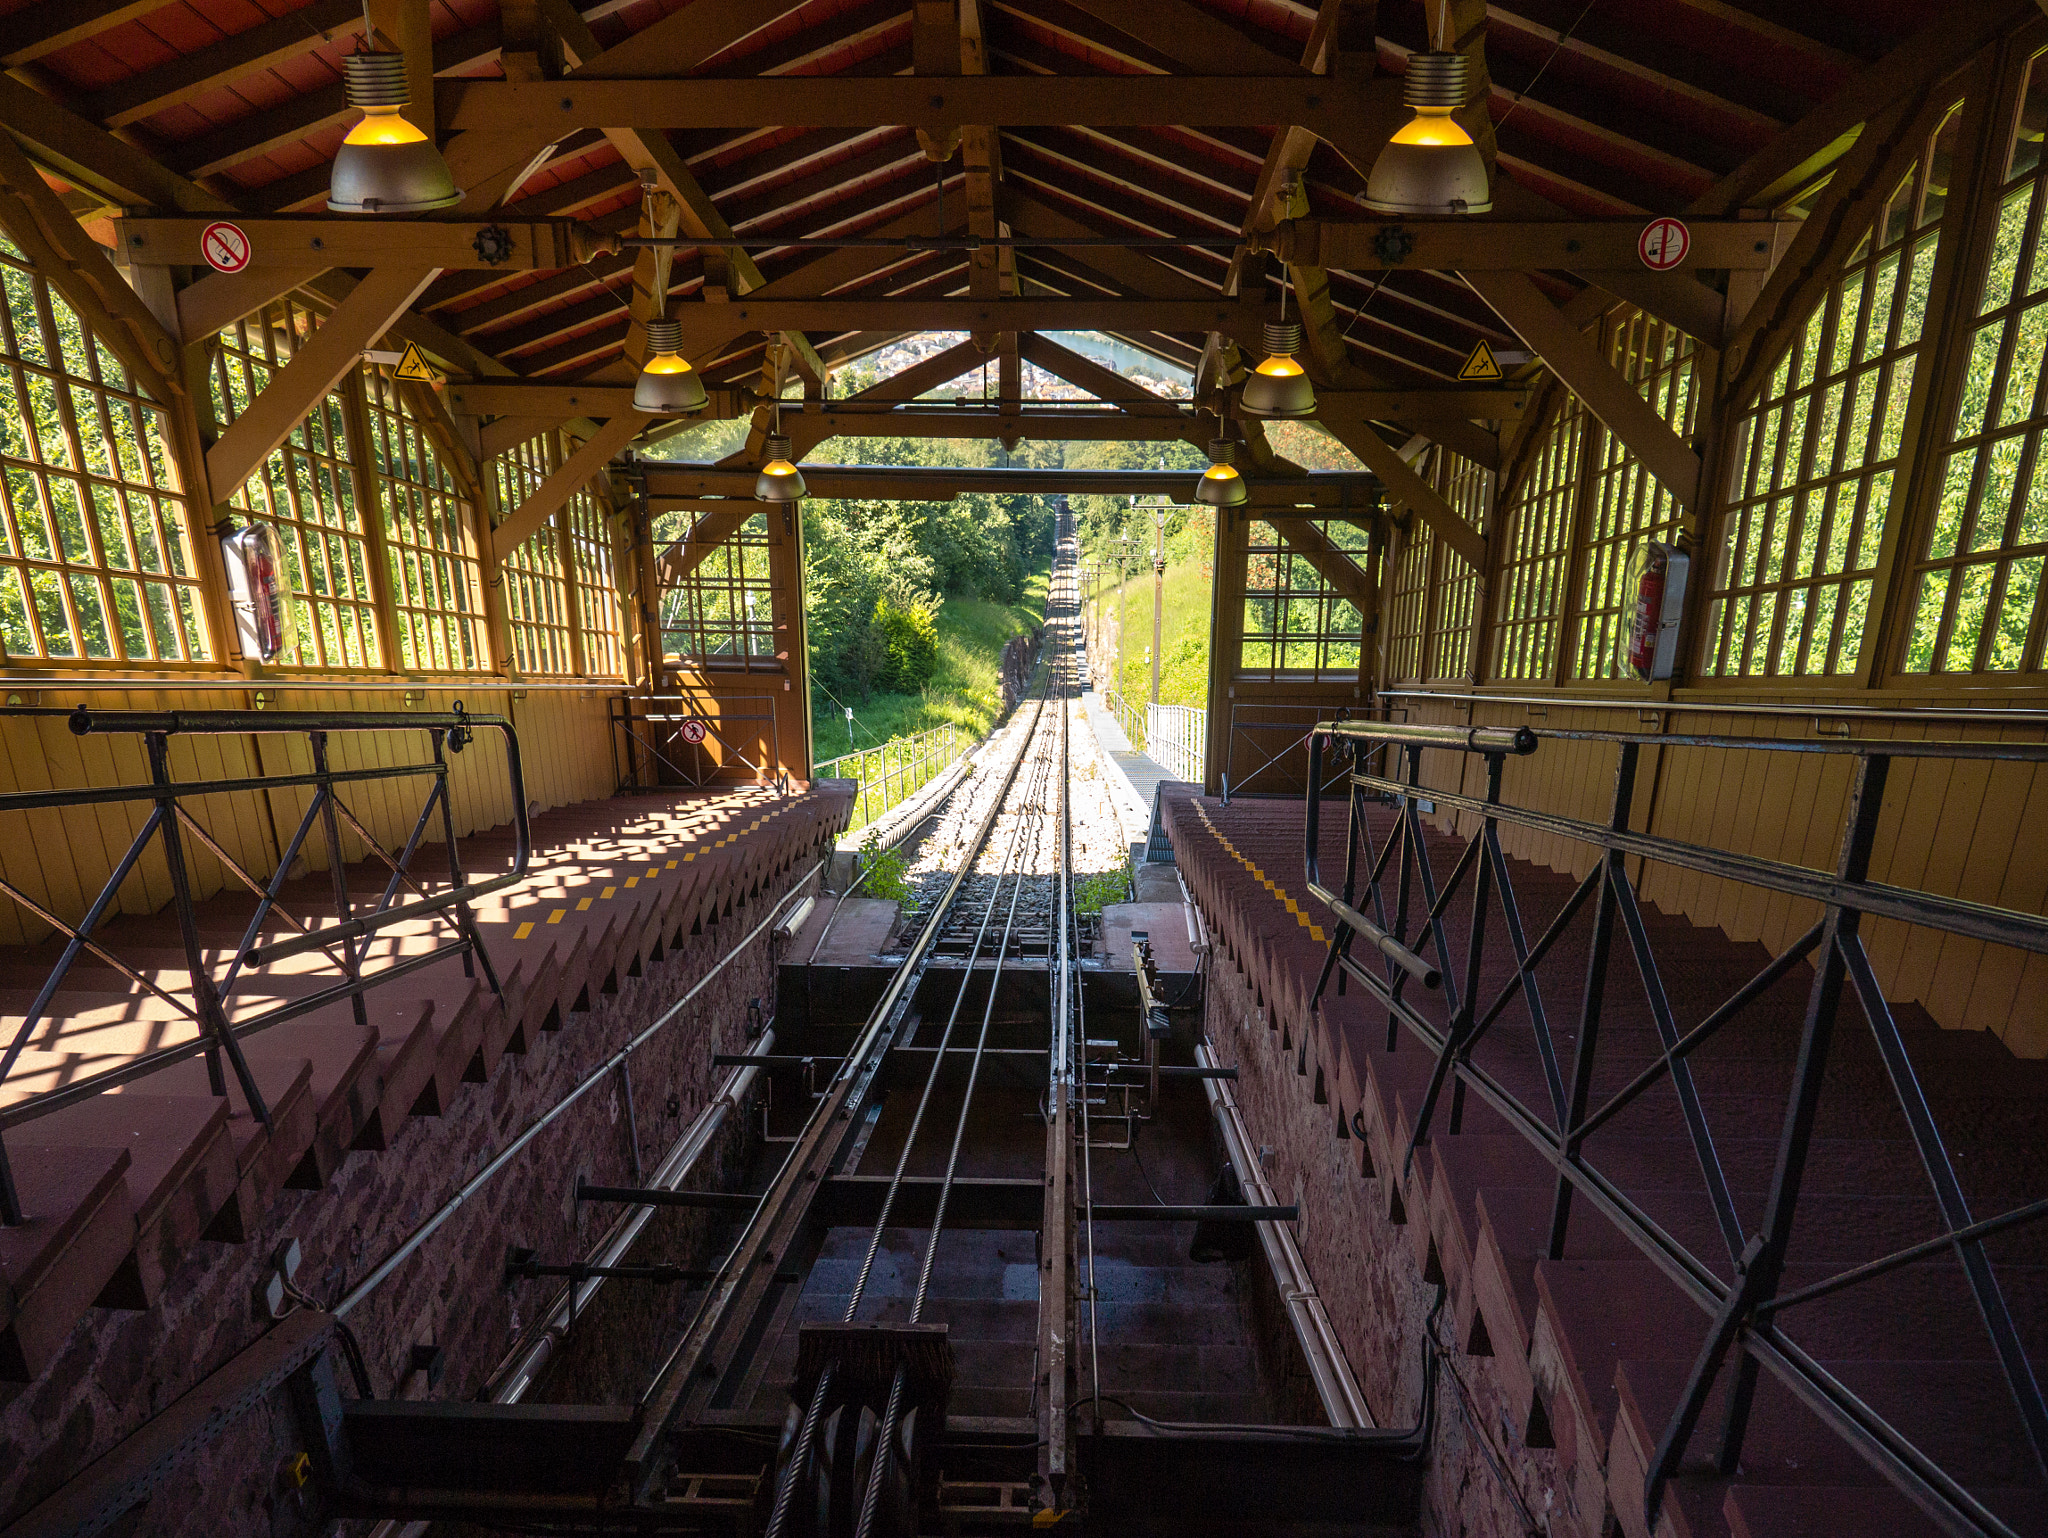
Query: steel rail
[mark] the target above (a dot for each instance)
(733, 1301)
(1042, 771)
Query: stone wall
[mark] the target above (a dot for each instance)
(119, 1369)
(1371, 1263)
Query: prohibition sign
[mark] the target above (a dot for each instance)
(1663, 243)
(693, 730)
(225, 246)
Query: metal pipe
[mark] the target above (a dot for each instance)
(1728, 707)
(1468, 739)
(1343, 1404)
(529, 1357)
(597, 1075)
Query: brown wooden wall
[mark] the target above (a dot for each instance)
(60, 858)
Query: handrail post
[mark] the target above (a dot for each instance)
(337, 873)
(1593, 997)
(1763, 1259)
(212, 1016)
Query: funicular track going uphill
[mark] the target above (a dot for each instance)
(958, 1304)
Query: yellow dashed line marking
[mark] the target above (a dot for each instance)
(556, 916)
(522, 931)
(671, 864)
(609, 892)
(631, 882)
(583, 906)
(1300, 917)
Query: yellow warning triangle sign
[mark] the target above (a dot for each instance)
(414, 365)
(1479, 365)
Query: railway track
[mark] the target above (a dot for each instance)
(990, 1271)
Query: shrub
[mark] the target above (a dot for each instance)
(910, 644)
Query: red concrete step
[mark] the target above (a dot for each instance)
(1822, 1511)
(264, 1158)
(1959, 1414)
(80, 1231)
(181, 1171)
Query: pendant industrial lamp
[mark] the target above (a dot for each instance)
(1431, 165)
(667, 385)
(1279, 387)
(779, 480)
(385, 165)
(1221, 485)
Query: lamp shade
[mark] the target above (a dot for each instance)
(779, 480)
(1431, 165)
(667, 385)
(1279, 387)
(1221, 485)
(385, 165)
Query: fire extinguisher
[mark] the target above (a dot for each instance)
(1647, 569)
(263, 604)
(264, 597)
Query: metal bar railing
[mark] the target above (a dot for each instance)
(891, 772)
(1175, 736)
(345, 939)
(1741, 1294)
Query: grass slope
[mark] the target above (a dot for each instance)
(1184, 627)
(967, 690)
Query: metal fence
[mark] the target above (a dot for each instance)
(1129, 714)
(1174, 735)
(893, 771)
(1394, 898)
(203, 1001)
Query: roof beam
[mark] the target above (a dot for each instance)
(346, 240)
(707, 328)
(1607, 394)
(57, 245)
(808, 429)
(552, 494)
(536, 398)
(1087, 374)
(332, 350)
(87, 156)
(1483, 244)
(940, 368)
(668, 483)
(1403, 485)
(674, 563)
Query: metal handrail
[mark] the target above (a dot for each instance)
(344, 939)
(1741, 1294)
(1825, 710)
(917, 760)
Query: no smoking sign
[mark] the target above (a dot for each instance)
(225, 246)
(1663, 244)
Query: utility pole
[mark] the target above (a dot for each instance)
(1158, 590)
(1123, 554)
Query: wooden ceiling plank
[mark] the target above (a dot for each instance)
(260, 47)
(1954, 32)
(49, 26)
(1199, 41)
